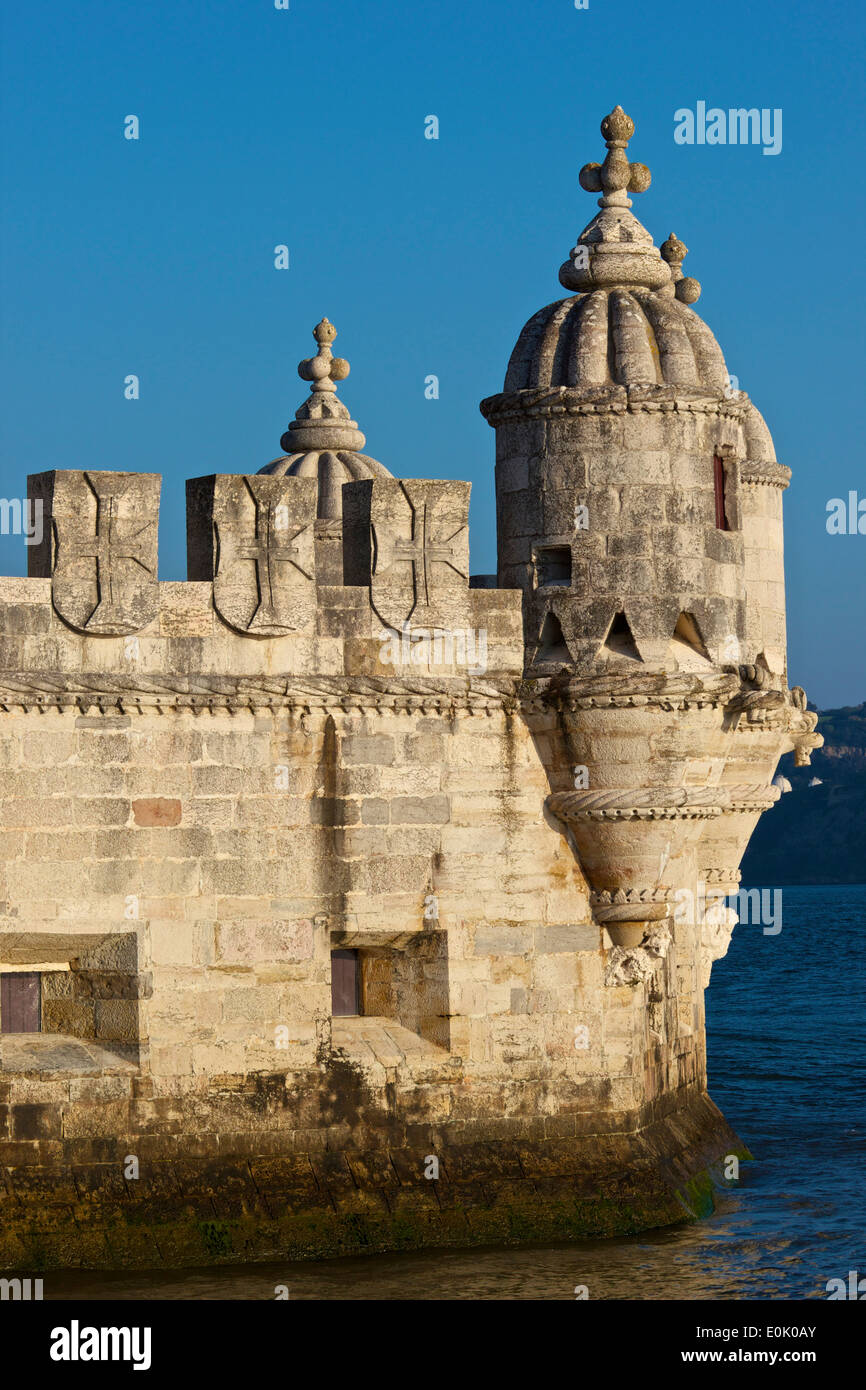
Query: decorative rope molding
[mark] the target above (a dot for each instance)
(769, 474)
(545, 401)
(201, 694)
(454, 696)
(661, 803)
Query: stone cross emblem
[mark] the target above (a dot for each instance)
(264, 533)
(104, 568)
(420, 548)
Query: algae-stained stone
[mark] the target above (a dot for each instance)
(99, 547)
(254, 537)
(409, 540)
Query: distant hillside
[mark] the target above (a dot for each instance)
(818, 834)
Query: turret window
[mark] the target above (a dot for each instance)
(553, 567)
(720, 480)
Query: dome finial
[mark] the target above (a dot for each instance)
(322, 441)
(674, 251)
(616, 176)
(323, 421)
(615, 249)
(323, 370)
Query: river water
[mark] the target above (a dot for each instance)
(785, 1018)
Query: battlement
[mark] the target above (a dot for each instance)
(273, 588)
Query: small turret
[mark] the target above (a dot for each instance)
(322, 441)
(619, 495)
(639, 511)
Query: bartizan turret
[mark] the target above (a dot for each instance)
(639, 509)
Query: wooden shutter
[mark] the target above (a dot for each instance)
(719, 481)
(345, 983)
(20, 1003)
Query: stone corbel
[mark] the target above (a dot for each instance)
(802, 722)
(638, 964)
(716, 931)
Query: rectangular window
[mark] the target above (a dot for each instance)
(21, 1002)
(554, 567)
(345, 983)
(719, 480)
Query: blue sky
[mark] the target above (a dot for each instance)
(306, 127)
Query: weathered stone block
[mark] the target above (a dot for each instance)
(156, 811)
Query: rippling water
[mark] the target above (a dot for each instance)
(785, 1021)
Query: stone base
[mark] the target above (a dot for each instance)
(191, 1210)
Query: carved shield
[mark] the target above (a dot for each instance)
(420, 559)
(105, 530)
(264, 567)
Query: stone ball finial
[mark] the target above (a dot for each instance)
(324, 370)
(617, 127)
(616, 176)
(324, 332)
(674, 251)
(322, 422)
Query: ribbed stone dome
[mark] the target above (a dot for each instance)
(333, 468)
(322, 441)
(631, 324)
(617, 336)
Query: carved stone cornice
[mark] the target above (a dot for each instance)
(51, 688)
(549, 401)
(661, 803)
(130, 692)
(635, 691)
(720, 876)
(752, 799)
(769, 474)
(446, 695)
(629, 904)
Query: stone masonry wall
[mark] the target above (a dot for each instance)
(198, 810)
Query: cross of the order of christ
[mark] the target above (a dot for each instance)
(115, 541)
(422, 550)
(274, 544)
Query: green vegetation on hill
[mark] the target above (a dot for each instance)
(817, 834)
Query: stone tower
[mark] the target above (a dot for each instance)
(639, 510)
(362, 903)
